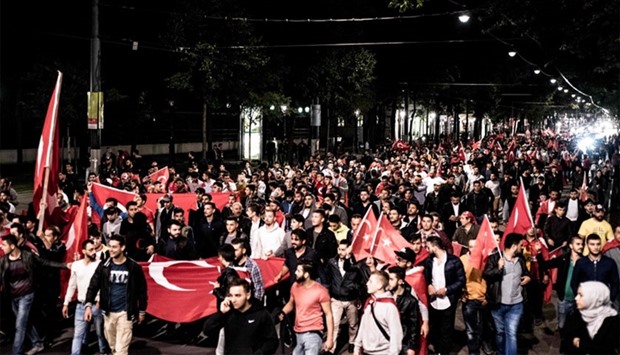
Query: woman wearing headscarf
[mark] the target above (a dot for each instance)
(593, 328)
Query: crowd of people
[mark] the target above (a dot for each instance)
(435, 195)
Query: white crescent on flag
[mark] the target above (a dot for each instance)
(156, 271)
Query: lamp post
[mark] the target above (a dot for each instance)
(171, 150)
(95, 89)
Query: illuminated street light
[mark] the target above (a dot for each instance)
(573, 95)
(300, 109)
(553, 81)
(560, 88)
(307, 109)
(272, 107)
(512, 53)
(464, 18)
(536, 71)
(566, 91)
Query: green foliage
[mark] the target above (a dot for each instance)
(405, 5)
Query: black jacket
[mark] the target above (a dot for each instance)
(32, 263)
(343, 288)
(562, 263)
(325, 245)
(606, 340)
(558, 229)
(493, 276)
(409, 318)
(454, 274)
(136, 288)
(250, 332)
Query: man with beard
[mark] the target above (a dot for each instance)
(177, 246)
(298, 252)
(242, 259)
(566, 266)
(248, 327)
(450, 213)
(208, 231)
(445, 276)
(408, 309)
(81, 273)
(364, 204)
(269, 237)
(380, 330)
(426, 231)
(311, 303)
(596, 225)
(596, 267)
(343, 286)
(121, 286)
(322, 239)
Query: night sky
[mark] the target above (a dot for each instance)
(434, 49)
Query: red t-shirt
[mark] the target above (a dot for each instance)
(308, 311)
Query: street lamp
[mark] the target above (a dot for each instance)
(553, 81)
(536, 71)
(464, 18)
(512, 53)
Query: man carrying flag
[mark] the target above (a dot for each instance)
(520, 218)
(44, 199)
(362, 237)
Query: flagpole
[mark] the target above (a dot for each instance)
(43, 203)
(374, 237)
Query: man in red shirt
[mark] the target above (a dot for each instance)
(311, 301)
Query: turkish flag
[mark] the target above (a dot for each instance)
(476, 145)
(162, 175)
(189, 285)
(48, 158)
(520, 218)
(421, 257)
(415, 278)
(461, 152)
(186, 201)
(73, 239)
(362, 237)
(387, 239)
(77, 234)
(485, 244)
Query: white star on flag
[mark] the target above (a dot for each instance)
(366, 237)
(387, 242)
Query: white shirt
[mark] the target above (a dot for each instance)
(439, 282)
(267, 241)
(80, 279)
(455, 208)
(572, 210)
(494, 187)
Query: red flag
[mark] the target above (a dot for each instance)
(457, 248)
(362, 237)
(485, 244)
(584, 187)
(461, 152)
(386, 240)
(48, 157)
(520, 218)
(476, 145)
(421, 257)
(415, 278)
(77, 234)
(614, 243)
(162, 175)
(190, 284)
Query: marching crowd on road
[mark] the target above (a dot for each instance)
(342, 283)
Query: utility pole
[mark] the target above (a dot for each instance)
(95, 96)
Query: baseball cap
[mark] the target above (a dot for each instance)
(599, 207)
(406, 254)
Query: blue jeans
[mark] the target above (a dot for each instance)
(507, 319)
(308, 343)
(82, 327)
(473, 319)
(21, 307)
(564, 309)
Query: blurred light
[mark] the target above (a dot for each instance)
(553, 81)
(464, 18)
(432, 115)
(283, 108)
(512, 53)
(536, 71)
(566, 91)
(307, 109)
(573, 95)
(560, 88)
(357, 112)
(272, 107)
(300, 109)
(585, 143)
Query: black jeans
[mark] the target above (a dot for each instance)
(478, 325)
(442, 328)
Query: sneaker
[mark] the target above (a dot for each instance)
(35, 350)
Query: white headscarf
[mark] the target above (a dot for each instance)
(597, 305)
